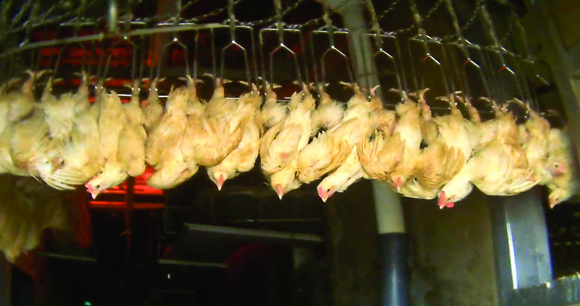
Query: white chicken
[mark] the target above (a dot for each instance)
(131, 151)
(535, 139)
(408, 129)
(507, 170)
(111, 123)
(209, 138)
(356, 124)
(81, 149)
(163, 150)
(328, 151)
(449, 146)
(242, 158)
(282, 143)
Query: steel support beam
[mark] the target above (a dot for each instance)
(520, 237)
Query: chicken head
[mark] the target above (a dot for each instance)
(218, 178)
(109, 177)
(285, 180)
(457, 189)
(325, 192)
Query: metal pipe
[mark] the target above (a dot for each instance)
(112, 17)
(391, 225)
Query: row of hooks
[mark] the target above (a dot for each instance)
(489, 62)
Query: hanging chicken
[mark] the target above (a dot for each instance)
(281, 144)
(209, 137)
(242, 158)
(163, 148)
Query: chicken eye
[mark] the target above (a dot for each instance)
(98, 186)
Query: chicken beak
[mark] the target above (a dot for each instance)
(220, 182)
(94, 194)
(279, 191)
(322, 194)
(398, 183)
(441, 201)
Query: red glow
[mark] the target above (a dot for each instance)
(113, 204)
(141, 187)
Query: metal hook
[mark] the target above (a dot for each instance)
(497, 48)
(330, 31)
(195, 62)
(463, 45)
(232, 19)
(280, 29)
(234, 44)
(174, 41)
(424, 40)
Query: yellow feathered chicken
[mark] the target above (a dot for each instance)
(281, 144)
(210, 137)
(163, 149)
(242, 158)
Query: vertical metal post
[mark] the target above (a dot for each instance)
(391, 224)
(521, 245)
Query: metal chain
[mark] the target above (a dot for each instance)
(210, 14)
(273, 18)
(321, 19)
(509, 30)
(427, 16)
(20, 14)
(389, 9)
(470, 22)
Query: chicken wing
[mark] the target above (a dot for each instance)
(380, 151)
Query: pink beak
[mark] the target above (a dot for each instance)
(93, 193)
(441, 202)
(398, 183)
(322, 194)
(279, 191)
(220, 182)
